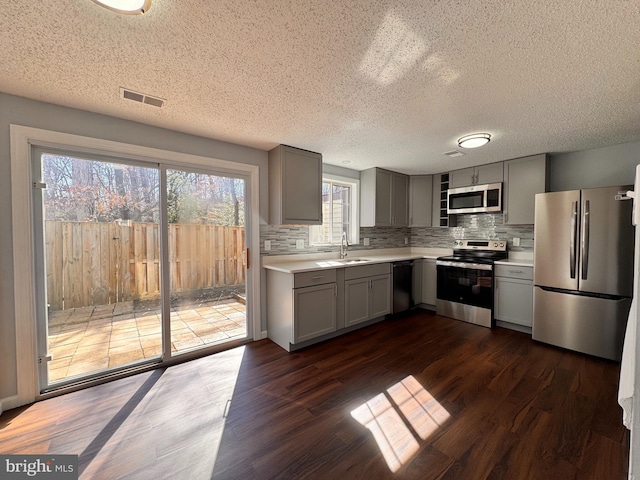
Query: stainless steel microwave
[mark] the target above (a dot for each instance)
(475, 199)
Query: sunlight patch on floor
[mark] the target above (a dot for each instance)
(397, 416)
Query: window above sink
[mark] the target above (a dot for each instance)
(340, 197)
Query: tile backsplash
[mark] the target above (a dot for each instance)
(484, 225)
(283, 239)
(480, 226)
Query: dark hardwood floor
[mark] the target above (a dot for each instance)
(420, 396)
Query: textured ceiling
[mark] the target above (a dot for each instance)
(366, 83)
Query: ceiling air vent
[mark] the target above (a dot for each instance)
(141, 97)
(453, 153)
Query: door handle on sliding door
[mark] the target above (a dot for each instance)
(246, 258)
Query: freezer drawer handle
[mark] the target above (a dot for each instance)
(572, 246)
(585, 240)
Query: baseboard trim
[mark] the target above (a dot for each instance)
(9, 403)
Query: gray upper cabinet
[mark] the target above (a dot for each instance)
(384, 198)
(420, 200)
(524, 178)
(295, 186)
(400, 199)
(491, 173)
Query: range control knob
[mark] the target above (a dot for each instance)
(495, 244)
(501, 244)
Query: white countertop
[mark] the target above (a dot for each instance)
(518, 259)
(318, 261)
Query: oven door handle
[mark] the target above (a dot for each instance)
(473, 266)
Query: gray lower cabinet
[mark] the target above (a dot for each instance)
(307, 307)
(301, 306)
(367, 291)
(429, 281)
(514, 295)
(314, 311)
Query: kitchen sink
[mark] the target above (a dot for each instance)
(351, 261)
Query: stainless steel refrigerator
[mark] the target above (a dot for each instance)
(583, 270)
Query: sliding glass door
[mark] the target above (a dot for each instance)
(136, 263)
(206, 240)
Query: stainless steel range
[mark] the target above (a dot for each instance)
(465, 280)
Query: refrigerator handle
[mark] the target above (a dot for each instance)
(584, 254)
(572, 246)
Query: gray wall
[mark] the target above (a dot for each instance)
(36, 114)
(598, 167)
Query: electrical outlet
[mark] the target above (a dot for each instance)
(366, 241)
(406, 241)
(300, 244)
(516, 241)
(267, 245)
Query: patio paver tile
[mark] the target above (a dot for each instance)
(203, 330)
(119, 359)
(187, 344)
(58, 374)
(124, 334)
(66, 338)
(238, 332)
(227, 325)
(94, 339)
(132, 335)
(150, 352)
(62, 351)
(102, 322)
(60, 362)
(79, 368)
(214, 337)
(125, 343)
(149, 341)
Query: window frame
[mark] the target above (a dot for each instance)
(354, 211)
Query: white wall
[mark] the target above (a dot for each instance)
(30, 113)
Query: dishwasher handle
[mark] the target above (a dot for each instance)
(407, 263)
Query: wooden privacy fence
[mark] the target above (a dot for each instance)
(91, 263)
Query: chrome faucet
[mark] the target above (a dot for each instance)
(344, 244)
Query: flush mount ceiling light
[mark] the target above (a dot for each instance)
(474, 140)
(128, 7)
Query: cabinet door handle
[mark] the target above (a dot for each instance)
(318, 277)
(516, 271)
(335, 290)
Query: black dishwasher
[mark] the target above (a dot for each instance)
(402, 286)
